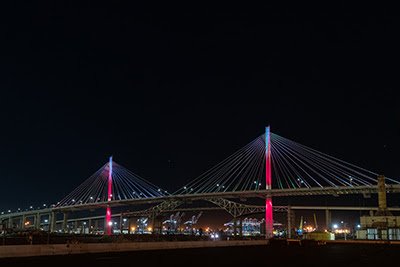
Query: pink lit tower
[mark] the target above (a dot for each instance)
(108, 225)
(269, 222)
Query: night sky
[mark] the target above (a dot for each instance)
(171, 90)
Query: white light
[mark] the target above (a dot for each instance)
(115, 222)
(341, 221)
(110, 223)
(84, 223)
(125, 219)
(358, 226)
(216, 236)
(31, 207)
(335, 226)
(212, 236)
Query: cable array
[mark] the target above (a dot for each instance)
(297, 166)
(241, 171)
(125, 185)
(293, 166)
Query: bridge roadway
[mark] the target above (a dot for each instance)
(335, 191)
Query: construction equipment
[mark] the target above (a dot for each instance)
(189, 224)
(173, 223)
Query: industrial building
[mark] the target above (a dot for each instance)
(382, 225)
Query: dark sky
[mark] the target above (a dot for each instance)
(170, 90)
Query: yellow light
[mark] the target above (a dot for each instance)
(26, 223)
(133, 229)
(149, 229)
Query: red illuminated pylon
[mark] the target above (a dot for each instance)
(108, 225)
(269, 222)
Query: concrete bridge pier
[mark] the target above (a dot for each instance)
(37, 221)
(75, 226)
(52, 221)
(328, 219)
(289, 222)
(90, 226)
(23, 221)
(10, 223)
(64, 223)
(96, 225)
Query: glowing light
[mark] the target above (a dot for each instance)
(133, 229)
(342, 231)
(149, 229)
(335, 226)
(110, 223)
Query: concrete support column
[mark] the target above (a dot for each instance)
(23, 221)
(90, 226)
(10, 222)
(75, 226)
(64, 223)
(37, 221)
(128, 222)
(52, 221)
(96, 225)
(328, 216)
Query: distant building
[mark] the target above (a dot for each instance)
(250, 227)
(382, 225)
(379, 228)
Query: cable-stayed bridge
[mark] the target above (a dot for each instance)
(270, 166)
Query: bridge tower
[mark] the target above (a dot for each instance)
(108, 223)
(269, 222)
